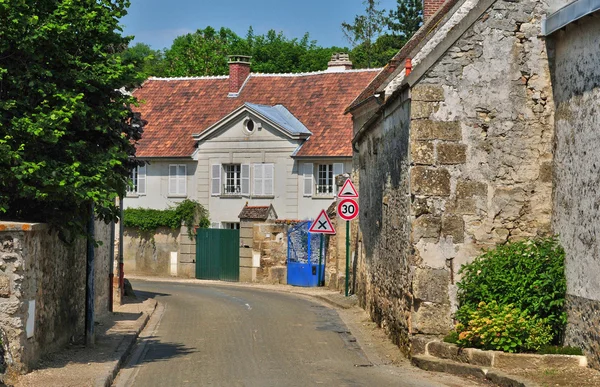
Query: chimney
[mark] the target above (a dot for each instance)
(430, 7)
(339, 62)
(239, 69)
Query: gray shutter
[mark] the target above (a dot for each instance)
(245, 179)
(308, 179)
(268, 179)
(215, 180)
(258, 180)
(141, 176)
(181, 179)
(172, 179)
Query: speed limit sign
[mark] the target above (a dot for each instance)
(348, 209)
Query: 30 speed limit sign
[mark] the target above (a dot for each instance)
(347, 209)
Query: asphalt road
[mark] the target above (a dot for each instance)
(207, 335)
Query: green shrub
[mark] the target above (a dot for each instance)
(527, 274)
(559, 350)
(451, 337)
(503, 328)
(188, 212)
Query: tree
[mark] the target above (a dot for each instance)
(67, 134)
(203, 52)
(406, 19)
(145, 60)
(365, 29)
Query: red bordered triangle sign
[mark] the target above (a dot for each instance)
(322, 224)
(348, 190)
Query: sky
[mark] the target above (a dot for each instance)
(158, 22)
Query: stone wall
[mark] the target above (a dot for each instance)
(576, 79)
(42, 290)
(270, 241)
(149, 252)
(383, 266)
(462, 163)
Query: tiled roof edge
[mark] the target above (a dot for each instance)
(188, 78)
(262, 75)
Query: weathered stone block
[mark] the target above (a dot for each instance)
(546, 172)
(4, 286)
(431, 318)
(470, 188)
(421, 206)
(453, 226)
(436, 130)
(451, 153)
(427, 93)
(429, 181)
(426, 226)
(431, 285)
(462, 207)
(421, 152)
(419, 109)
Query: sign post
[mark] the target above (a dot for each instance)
(321, 225)
(347, 209)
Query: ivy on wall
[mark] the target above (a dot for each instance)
(189, 213)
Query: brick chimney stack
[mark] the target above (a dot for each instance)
(339, 62)
(430, 7)
(239, 69)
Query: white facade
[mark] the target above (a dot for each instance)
(234, 166)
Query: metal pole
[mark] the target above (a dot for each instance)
(121, 231)
(347, 254)
(320, 260)
(89, 289)
(111, 274)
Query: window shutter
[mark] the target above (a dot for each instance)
(268, 179)
(246, 179)
(182, 179)
(215, 225)
(141, 176)
(172, 179)
(258, 180)
(338, 169)
(216, 180)
(308, 179)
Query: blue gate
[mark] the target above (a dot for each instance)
(303, 257)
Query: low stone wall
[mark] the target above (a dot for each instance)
(42, 290)
(270, 241)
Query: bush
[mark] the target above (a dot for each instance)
(528, 275)
(503, 328)
(188, 212)
(559, 350)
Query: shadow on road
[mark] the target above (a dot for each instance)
(158, 350)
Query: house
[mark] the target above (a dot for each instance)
(455, 155)
(265, 139)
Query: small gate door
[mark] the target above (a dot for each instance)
(218, 254)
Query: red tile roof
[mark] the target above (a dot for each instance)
(179, 107)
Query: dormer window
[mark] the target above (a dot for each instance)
(249, 125)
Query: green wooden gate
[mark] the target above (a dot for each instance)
(218, 254)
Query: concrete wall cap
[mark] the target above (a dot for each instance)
(21, 226)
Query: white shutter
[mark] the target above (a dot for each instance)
(246, 179)
(308, 179)
(182, 179)
(215, 225)
(268, 179)
(216, 180)
(141, 176)
(172, 179)
(258, 180)
(338, 169)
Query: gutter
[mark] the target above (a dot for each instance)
(569, 14)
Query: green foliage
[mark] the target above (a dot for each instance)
(451, 337)
(365, 29)
(526, 274)
(67, 134)
(502, 328)
(406, 19)
(559, 350)
(146, 61)
(188, 212)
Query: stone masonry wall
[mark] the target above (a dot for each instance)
(42, 290)
(576, 79)
(481, 152)
(149, 253)
(383, 267)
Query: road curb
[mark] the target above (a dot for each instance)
(430, 363)
(125, 346)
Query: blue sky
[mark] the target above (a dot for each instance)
(158, 22)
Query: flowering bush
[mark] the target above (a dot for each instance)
(503, 328)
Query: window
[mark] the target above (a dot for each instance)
(138, 181)
(263, 180)
(177, 179)
(231, 225)
(325, 179)
(233, 179)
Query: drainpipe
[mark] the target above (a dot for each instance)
(407, 67)
(89, 288)
(121, 231)
(111, 274)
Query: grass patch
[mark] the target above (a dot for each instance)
(560, 350)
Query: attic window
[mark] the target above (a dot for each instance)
(249, 125)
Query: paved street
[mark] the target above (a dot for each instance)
(219, 335)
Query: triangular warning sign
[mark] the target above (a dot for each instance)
(322, 224)
(348, 190)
